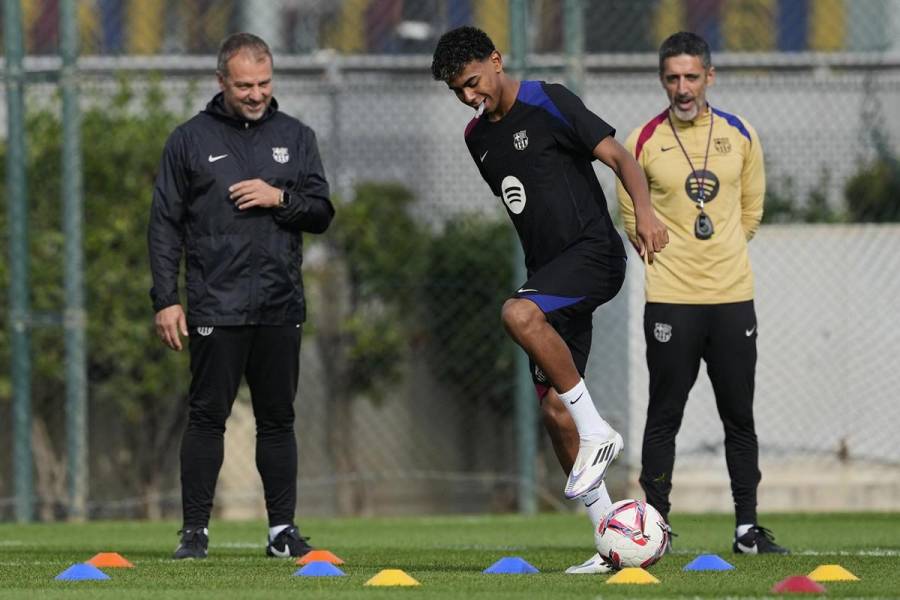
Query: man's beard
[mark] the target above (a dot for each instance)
(688, 115)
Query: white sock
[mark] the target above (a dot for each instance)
(741, 530)
(597, 502)
(588, 421)
(274, 531)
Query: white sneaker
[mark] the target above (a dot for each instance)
(595, 565)
(590, 465)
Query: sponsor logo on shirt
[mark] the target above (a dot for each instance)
(702, 182)
(513, 193)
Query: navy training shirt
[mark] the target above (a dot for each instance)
(537, 160)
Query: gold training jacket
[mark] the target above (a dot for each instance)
(690, 270)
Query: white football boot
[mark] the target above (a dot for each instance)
(590, 465)
(595, 565)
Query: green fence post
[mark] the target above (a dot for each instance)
(573, 34)
(74, 314)
(526, 404)
(19, 310)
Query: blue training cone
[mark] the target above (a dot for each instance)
(81, 571)
(511, 565)
(708, 562)
(319, 568)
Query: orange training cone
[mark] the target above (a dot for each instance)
(319, 556)
(109, 559)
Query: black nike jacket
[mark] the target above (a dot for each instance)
(242, 267)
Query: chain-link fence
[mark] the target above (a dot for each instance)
(407, 395)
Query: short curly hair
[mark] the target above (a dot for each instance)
(457, 48)
(684, 42)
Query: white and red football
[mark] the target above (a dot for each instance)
(632, 534)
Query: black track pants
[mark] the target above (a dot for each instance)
(269, 357)
(678, 336)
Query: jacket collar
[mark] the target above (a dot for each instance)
(216, 109)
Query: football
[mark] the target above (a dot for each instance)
(632, 534)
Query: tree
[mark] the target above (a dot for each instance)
(873, 193)
(136, 389)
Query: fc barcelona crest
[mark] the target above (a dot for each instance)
(280, 155)
(662, 332)
(520, 140)
(723, 145)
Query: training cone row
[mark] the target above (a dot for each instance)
(810, 584)
(322, 563)
(90, 570)
(319, 568)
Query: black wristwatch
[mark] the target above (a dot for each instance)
(285, 198)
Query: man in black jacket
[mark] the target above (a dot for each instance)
(237, 186)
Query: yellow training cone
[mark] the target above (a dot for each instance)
(832, 573)
(392, 577)
(632, 575)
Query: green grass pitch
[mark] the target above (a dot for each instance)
(446, 554)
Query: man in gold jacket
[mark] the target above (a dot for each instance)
(707, 183)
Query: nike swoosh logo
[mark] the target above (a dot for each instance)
(576, 399)
(750, 331)
(213, 159)
(524, 290)
(748, 549)
(664, 149)
(286, 553)
(483, 155)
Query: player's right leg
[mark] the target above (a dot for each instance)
(565, 440)
(218, 355)
(527, 324)
(550, 318)
(674, 336)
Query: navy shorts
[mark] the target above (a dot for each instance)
(568, 289)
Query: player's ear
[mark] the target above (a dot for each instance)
(497, 61)
(710, 75)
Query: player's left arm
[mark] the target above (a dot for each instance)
(650, 230)
(753, 186)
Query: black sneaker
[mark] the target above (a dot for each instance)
(288, 544)
(758, 540)
(193, 544)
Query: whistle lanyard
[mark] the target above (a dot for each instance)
(699, 180)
